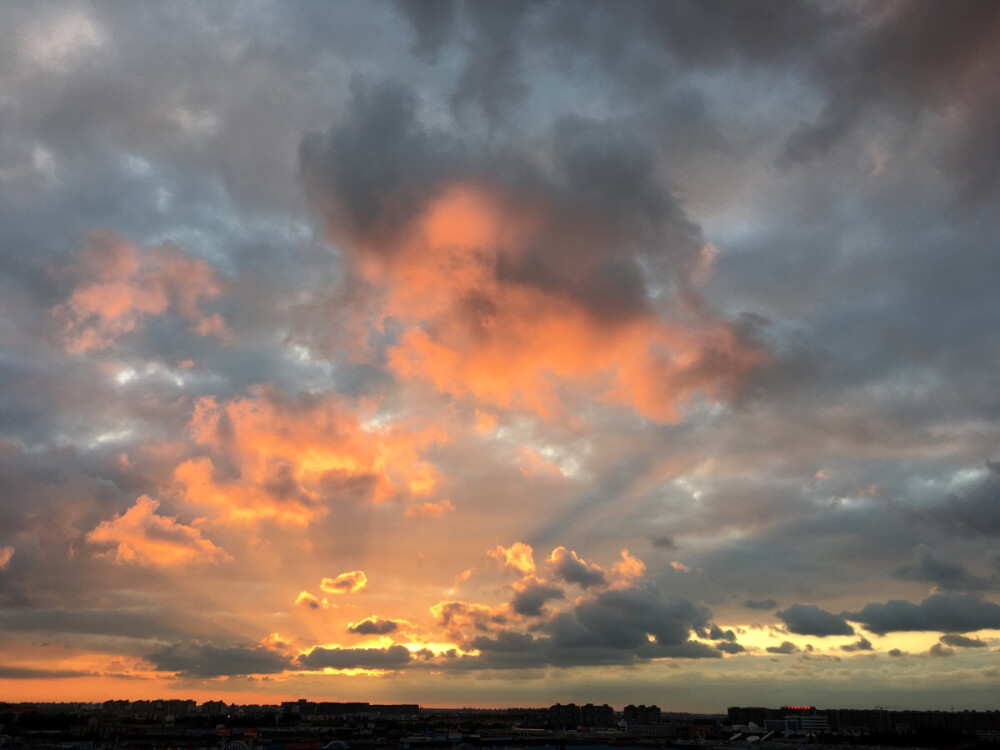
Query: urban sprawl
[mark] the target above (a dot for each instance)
(311, 725)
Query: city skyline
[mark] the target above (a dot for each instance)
(501, 353)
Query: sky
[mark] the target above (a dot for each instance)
(501, 354)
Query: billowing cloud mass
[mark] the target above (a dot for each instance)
(120, 286)
(141, 536)
(957, 613)
(568, 566)
(808, 619)
(355, 658)
(518, 556)
(274, 458)
(500, 354)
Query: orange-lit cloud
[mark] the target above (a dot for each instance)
(460, 579)
(628, 570)
(460, 619)
(485, 421)
(292, 453)
(142, 537)
(513, 343)
(305, 599)
(518, 556)
(120, 285)
(430, 510)
(345, 583)
(6, 553)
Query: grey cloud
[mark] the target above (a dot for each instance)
(760, 604)
(977, 511)
(109, 622)
(374, 626)
(808, 619)
(943, 573)
(372, 173)
(728, 647)
(24, 673)
(862, 644)
(207, 660)
(432, 23)
(939, 649)
(685, 650)
(609, 627)
(786, 647)
(918, 55)
(376, 170)
(962, 641)
(955, 613)
(531, 597)
(621, 618)
(393, 657)
(491, 77)
(572, 569)
(716, 634)
(663, 542)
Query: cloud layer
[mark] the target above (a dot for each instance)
(500, 353)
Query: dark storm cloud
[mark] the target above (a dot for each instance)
(610, 627)
(862, 644)
(392, 657)
(207, 660)
(955, 613)
(373, 173)
(727, 647)
(718, 634)
(760, 604)
(374, 626)
(942, 573)
(569, 567)
(786, 647)
(916, 57)
(432, 22)
(808, 619)
(962, 641)
(492, 78)
(940, 650)
(975, 512)
(622, 618)
(532, 595)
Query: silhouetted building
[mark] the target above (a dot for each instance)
(642, 714)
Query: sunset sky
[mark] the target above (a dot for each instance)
(501, 354)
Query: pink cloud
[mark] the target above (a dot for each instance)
(120, 285)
